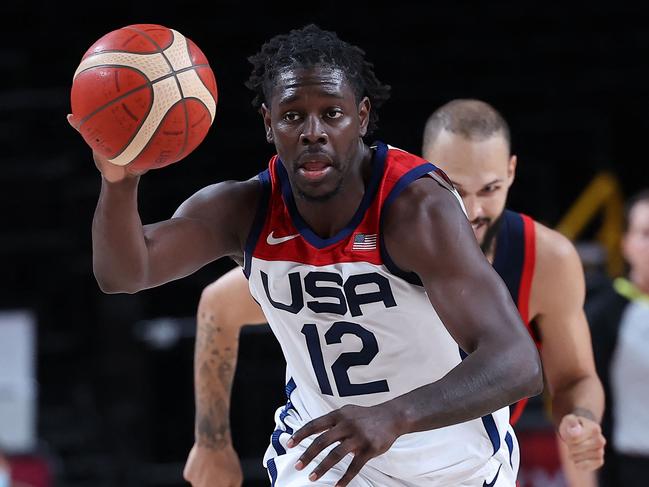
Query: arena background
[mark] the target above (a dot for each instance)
(113, 378)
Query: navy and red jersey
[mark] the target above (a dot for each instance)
(514, 261)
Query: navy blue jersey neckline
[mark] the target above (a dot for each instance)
(377, 163)
(509, 258)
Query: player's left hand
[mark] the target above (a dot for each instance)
(584, 440)
(365, 432)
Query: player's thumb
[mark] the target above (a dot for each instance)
(571, 428)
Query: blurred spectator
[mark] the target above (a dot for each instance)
(5, 473)
(619, 318)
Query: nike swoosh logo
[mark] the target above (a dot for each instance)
(491, 484)
(270, 240)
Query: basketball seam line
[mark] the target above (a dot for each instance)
(184, 146)
(147, 83)
(111, 65)
(178, 85)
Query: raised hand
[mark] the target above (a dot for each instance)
(207, 467)
(584, 440)
(111, 172)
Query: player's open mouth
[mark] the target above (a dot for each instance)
(314, 170)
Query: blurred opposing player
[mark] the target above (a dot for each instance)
(470, 141)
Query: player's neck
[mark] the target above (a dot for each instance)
(490, 253)
(327, 218)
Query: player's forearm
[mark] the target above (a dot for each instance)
(582, 397)
(485, 381)
(118, 243)
(214, 365)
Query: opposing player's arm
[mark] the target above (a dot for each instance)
(558, 292)
(567, 353)
(129, 256)
(224, 308)
(502, 364)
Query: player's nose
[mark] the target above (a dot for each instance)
(473, 207)
(313, 131)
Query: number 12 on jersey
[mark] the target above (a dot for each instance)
(346, 360)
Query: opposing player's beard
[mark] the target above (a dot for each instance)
(490, 234)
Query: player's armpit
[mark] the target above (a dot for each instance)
(230, 298)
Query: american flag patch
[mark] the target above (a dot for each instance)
(363, 241)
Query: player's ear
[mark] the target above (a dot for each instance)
(511, 169)
(364, 109)
(265, 115)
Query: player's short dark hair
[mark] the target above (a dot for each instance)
(473, 119)
(308, 47)
(638, 198)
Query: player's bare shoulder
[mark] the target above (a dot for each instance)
(558, 273)
(553, 250)
(426, 197)
(430, 215)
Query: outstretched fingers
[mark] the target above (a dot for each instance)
(313, 427)
(334, 456)
(318, 445)
(352, 471)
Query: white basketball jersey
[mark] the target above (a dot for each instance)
(354, 328)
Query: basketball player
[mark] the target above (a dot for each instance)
(470, 141)
(402, 353)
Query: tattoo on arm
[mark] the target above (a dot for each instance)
(213, 428)
(584, 413)
(214, 365)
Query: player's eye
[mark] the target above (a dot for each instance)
(490, 189)
(291, 116)
(334, 113)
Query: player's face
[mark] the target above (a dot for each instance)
(636, 240)
(316, 126)
(482, 171)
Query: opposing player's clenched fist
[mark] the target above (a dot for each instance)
(208, 467)
(584, 440)
(110, 172)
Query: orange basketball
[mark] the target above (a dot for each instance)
(144, 95)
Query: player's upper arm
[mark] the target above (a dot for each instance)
(229, 299)
(212, 223)
(558, 293)
(426, 232)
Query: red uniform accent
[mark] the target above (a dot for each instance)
(281, 224)
(523, 301)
